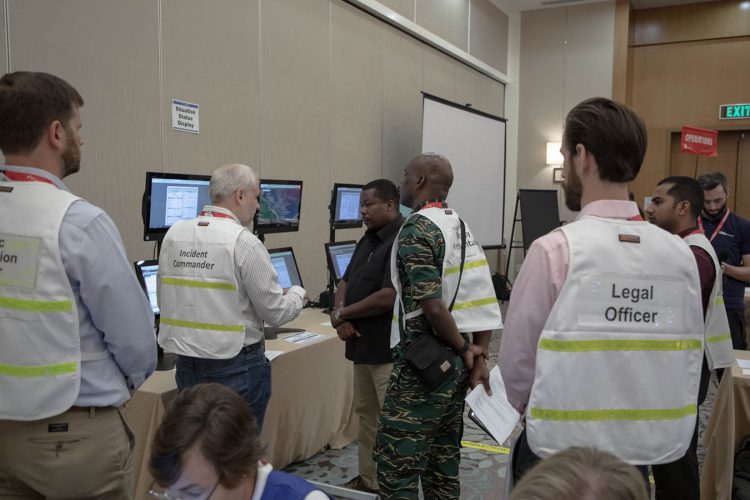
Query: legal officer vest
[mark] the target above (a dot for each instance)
(40, 349)
(476, 307)
(619, 358)
(718, 340)
(198, 296)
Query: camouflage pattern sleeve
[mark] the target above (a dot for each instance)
(421, 249)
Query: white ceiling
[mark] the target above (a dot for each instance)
(520, 5)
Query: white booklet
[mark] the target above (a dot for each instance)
(495, 412)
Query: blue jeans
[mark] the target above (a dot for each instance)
(248, 374)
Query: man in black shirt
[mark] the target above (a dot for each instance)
(362, 317)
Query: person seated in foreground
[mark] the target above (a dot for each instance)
(207, 447)
(580, 473)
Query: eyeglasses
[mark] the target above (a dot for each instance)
(158, 491)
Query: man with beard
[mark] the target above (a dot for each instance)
(602, 345)
(362, 317)
(675, 207)
(730, 236)
(76, 330)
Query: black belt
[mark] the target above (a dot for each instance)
(252, 347)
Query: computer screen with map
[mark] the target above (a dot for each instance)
(285, 264)
(169, 198)
(280, 206)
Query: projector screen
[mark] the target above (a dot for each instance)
(474, 142)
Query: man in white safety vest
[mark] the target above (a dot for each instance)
(675, 207)
(444, 292)
(604, 334)
(76, 329)
(216, 288)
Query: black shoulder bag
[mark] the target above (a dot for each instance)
(432, 360)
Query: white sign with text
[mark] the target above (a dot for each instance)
(185, 116)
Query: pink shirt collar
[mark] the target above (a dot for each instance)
(610, 209)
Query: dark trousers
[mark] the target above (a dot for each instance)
(737, 328)
(736, 319)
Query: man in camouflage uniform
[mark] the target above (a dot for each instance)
(419, 433)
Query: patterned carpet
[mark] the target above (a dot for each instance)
(482, 473)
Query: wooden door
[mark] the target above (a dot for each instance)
(725, 162)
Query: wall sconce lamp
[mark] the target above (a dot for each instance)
(554, 157)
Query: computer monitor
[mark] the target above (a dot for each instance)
(280, 206)
(345, 206)
(169, 198)
(146, 270)
(286, 267)
(339, 255)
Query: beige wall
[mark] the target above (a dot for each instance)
(566, 56)
(303, 89)
(488, 33)
(474, 26)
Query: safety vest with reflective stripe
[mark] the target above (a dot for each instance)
(619, 358)
(40, 349)
(197, 287)
(476, 307)
(718, 340)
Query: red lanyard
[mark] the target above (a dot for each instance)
(636, 218)
(210, 213)
(718, 228)
(24, 177)
(434, 204)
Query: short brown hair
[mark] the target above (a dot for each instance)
(217, 420)
(29, 103)
(581, 474)
(612, 132)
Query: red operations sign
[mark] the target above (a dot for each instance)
(699, 141)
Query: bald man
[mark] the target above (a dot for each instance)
(216, 288)
(444, 293)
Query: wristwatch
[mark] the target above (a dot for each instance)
(463, 349)
(337, 315)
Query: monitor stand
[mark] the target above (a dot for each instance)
(271, 332)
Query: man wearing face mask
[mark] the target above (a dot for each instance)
(216, 288)
(730, 236)
(603, 341)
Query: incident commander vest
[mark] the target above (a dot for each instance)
(476, 307)
(619, 358)
(718, 340)
(40, 349)
(198, 296)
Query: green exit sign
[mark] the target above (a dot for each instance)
(734, 112)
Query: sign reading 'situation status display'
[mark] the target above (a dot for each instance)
(185, 116)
